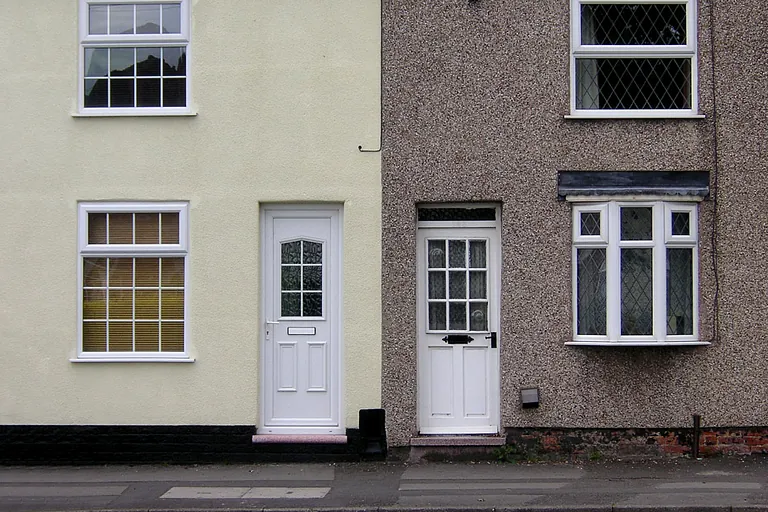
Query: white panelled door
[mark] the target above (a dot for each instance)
(458, 318)
(301, 333)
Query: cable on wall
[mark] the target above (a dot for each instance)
(715, 172)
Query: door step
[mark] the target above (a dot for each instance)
(299, 439)
(448, 448)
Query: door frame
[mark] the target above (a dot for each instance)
(336, 287)
(494, 310)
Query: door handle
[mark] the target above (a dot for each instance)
(268, 330)
(271, 322)
(492, 337)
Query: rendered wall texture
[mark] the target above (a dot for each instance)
(284, 93)
(475, 95)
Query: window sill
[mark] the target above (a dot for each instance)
(184, 359)
(637, 343)
(135, 113)
(632, 114)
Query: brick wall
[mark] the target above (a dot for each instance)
(639, 443)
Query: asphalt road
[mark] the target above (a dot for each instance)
(723, 484)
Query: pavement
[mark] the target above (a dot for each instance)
(672, 485)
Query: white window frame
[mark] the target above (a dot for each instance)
(662, 240)
(132, 250)
(688, 51)
(132, 40)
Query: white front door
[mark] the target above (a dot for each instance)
(301, 333)
(458, 322)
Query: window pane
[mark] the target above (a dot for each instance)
(94, 336)
(618, 84)
(313, 304)
(147, 304)
(436, 256)
(121, 94)
(312, 252)
(120, 337)
(95, 272)
(96, 93)
(121, 19)
(290, 252)
(94, 304)
(680, 291)
(120, 304)
(96, 62)
(437, 285)
(148, 61)
(591, 292)
(457, 254)
(637, 291)
(290, 278)
(97, 228)
(147, 228)
(172, 304)
(457, 315)
(449, 214)
(121, 61)
(477, 285)
(175, 92)
(457, 285)
(633, 24)
(290, 304)
(681, 223)
(170, 228)
(120, 272)
(637, 223)
(147, 272)
(147, 18)
(171, 18)
(172, 272)
(478, 316)
(120, 228)
(477, 254)
(147, 336)
(313, 278)
(437, 316)
(97, 19)
(590, 223)
(172, 336)
(148, 92)
(174, 61)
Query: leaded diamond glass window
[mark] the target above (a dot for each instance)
(621, 55)
(635, 279)
(301, 279)
(457, 285)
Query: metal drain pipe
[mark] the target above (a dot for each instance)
(696, 435)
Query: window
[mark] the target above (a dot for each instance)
(633, 59)
(134, 57)
(132, 280)
(635, 272)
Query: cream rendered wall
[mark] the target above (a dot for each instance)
(285, 92)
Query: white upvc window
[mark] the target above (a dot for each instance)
(134, 57)
(635, 273)
(132, 275)
(633, 58)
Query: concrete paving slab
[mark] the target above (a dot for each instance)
(473, 486)
(486, 500)
(205, 493)
(287, 493)
(36, 491)
(490, 472)
(711, 486)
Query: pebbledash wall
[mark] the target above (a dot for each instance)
(475, 99)
(284, 93)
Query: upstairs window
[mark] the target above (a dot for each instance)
(633, 59)
(134, 57)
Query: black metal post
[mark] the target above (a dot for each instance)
(696, 435)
